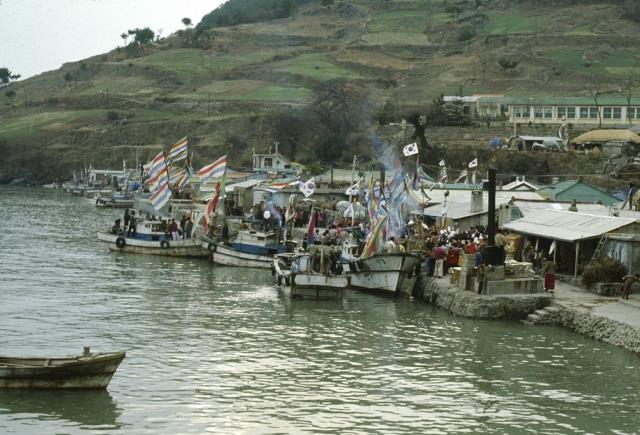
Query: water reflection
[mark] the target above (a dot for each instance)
(90, 409)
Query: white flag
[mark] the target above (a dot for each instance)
(441, 163)
(353, 190)
(308, 188)
(473, 163)
(410, 149)
(552, 247)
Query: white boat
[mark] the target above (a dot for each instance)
(117, 200)
(296, 280)
(251, 248)
(389, 273)
(151, 239)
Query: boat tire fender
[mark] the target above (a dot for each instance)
(211, 247)
(121, 242)
(164, 244)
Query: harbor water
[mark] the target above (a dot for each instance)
(218, 350)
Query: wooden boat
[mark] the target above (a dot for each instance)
(251, 248)
(388, 273)
(298, 282)
(86, 371)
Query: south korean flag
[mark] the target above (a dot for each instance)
(410, 149)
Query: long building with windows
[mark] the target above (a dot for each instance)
(552, 110)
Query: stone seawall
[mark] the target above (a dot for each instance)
(469, 304)
(605, 319)
(609, 323)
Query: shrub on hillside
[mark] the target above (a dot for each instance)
(604, 269)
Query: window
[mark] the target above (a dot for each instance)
(521, 112)
(548, 112)
(562, 112)
(537, 111)
(617, 113)
(634, 112)
(571, 112)
(593, 112)
(584, 112)
(607, 114)
(504, 108)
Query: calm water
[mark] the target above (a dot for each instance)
(218, 350)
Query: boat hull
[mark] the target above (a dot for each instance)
(226, 256)
(316, 286)
(86, 372)
(169, 248)
(388, 273)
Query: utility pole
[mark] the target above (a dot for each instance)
(353, 174)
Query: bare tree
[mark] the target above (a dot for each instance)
(596, 91)
(628, 85)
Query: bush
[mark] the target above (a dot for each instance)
(507, 63)
(113, 115)
(466, 33)
(604, 269)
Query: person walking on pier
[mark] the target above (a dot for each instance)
(439, 255)
(549, 273)
(628, 283)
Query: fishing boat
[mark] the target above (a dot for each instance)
(86, 371)
(389, 273)
(251, 248)
(297, 281)
(116, 200)
(151, 238)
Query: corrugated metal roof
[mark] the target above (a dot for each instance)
(527, 207)
(566, 226)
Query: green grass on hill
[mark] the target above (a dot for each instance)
(249, 90)
(37, 123)
(315, 66)
(517, 22)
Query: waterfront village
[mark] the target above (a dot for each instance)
(566, 253)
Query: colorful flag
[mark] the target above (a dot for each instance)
(176, 174)
(211, 207)
(375, 239)
(473, 163)
(178, 151)
(291, 208)
(281, 184)
(410, 149)
(184, 181)
(160, 197)
(311, 226)
(215, 169)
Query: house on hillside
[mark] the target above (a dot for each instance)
(579, 191)
(610, 142)
(521, 185)
(271, 162)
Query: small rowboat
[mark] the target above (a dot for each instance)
(86, 371)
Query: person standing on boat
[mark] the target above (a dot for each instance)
(173, 229)
(127, 216)
(188, 227)
(183, 221)
(132, 225)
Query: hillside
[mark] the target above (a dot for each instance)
(313, 81)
